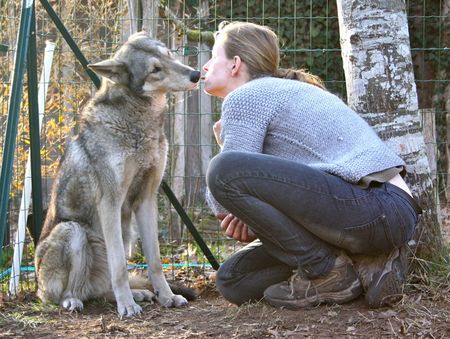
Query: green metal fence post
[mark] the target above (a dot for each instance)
(35, 148)
(13, 113)
(190, 226)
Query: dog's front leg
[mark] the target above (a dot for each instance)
(147, 220)
(110, 221)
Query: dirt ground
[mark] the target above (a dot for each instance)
(422, 313)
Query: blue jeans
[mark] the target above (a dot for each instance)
(302, 217)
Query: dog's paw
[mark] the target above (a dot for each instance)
(128, 310)
(179, 300)
(173, 301)
(72, 304)
(143, 295)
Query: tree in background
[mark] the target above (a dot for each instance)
(380, 86)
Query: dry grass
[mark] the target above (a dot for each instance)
(422, 313)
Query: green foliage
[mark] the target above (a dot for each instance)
(5, 260)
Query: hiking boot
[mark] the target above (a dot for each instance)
(383, 277)
(340, 285)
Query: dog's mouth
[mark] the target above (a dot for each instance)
(194, 86)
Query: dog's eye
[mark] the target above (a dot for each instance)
(156, 69)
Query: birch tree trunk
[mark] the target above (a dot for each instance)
(446, 97)
(380, 86)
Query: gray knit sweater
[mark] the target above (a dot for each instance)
(298, 121)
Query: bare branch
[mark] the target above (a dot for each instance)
(206, 37)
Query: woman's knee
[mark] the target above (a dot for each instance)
(227, 283)
(220, 167)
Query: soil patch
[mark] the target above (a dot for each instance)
(420, 314)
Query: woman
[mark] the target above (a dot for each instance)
(306, 177)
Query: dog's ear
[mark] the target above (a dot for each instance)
(113, 70)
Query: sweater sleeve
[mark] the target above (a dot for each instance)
(246, 116)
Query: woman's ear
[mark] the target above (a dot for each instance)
(237, 66)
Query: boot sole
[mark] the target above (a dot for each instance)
(339, 297)
(387, 287)
(388, 291)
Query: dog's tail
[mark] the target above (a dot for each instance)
(138, 281)
(65, 263)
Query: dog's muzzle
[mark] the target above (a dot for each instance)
(195, 76)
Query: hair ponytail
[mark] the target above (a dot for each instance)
(300, 75)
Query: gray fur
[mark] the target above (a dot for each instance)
(111, 169)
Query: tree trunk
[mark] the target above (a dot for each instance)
(206, 135)
(144, 15)
(192, 140)
(446, 156)
(446, 98)
(380, 86)
(150, 17)
(428, 117)
(133, 17)
(178, 153)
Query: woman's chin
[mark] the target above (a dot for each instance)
(214, 91)
(209, 91)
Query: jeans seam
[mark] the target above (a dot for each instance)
(387, 222)
(226, 182)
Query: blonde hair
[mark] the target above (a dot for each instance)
(257, 46)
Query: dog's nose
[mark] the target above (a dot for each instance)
(195, 76)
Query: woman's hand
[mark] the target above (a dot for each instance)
(235, 228)
(217, 129)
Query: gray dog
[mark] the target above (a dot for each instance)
(111, 169)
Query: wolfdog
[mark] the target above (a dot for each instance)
(111, 169)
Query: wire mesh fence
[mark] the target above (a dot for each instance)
(309, 38)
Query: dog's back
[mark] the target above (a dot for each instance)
(118, 154)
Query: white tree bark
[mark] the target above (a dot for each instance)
(380, 86)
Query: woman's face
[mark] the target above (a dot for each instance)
(218, 71)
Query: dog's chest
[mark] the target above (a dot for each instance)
(145, 147)
(141, 139)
